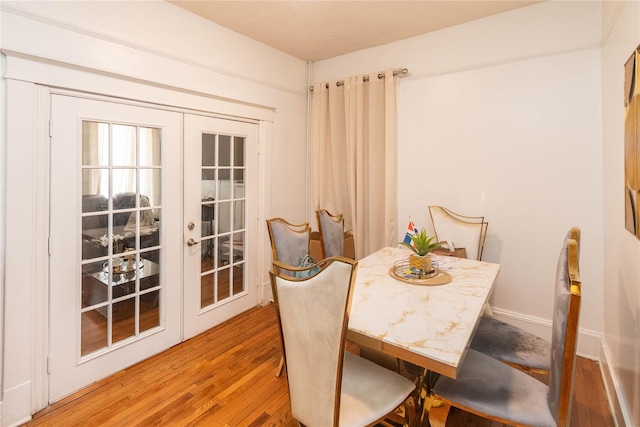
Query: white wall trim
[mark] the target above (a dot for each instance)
(22, 272)
(16, 405)
(619, 410)
(86, 32)
(3, 202)
(498, 62)
(264, 201)
(40, 291)
(65, 76)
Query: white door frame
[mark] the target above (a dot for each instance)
(31, 127)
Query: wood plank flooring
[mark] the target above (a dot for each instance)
(225, 377)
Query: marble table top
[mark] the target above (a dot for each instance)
(430, 326)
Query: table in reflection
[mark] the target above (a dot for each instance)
(122, 283)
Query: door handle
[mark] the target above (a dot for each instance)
(192, 242)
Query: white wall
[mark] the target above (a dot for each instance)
(519, 117)
(150, 51)
(538, 66)
(518, 143)
(621, 248)
(501, 117)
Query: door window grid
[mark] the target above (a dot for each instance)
(223, 219)
(120, 275)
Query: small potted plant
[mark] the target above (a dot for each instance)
(421, 244)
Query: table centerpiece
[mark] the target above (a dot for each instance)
(421, 245)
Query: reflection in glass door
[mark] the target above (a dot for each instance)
(222, 191)
(220, 254)
(121, 211)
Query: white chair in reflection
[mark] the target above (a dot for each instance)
(513, 345)
(331, 229)
(329, 386)
(462, 231)
(489, 388)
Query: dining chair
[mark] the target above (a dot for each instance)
(329, 386)
(513, 345)
(289, 245)
(489, 388)
(331, 229)
(463, 231)
(289, 242)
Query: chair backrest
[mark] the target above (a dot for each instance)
(574, 234)
(463, 231)
(313, 317)
(564, 336)
(289, 242)
(331, 229)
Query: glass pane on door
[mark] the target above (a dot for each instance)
(223, 218)
(120, 239)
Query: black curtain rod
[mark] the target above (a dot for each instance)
(396, 72)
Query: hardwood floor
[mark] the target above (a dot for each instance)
(226, 377)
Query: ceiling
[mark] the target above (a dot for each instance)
(317, 30)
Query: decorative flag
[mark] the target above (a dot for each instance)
(411, 232)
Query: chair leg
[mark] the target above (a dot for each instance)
(280, 367)
(438, 415)
(405, 415)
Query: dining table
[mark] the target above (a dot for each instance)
(427, 324)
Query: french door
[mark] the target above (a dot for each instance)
(152, 233)
(114, 268)
(220, 212)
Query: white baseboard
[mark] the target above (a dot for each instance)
(16, 405)
(621, 413)
(267, 294)
(589, 341)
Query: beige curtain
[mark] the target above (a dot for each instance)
(354, 157)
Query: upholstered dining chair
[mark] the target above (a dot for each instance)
(289, 242)
(329, 386)
(487, 387)
(463, 231)
(513, 345)
(289, 245)
(331, 229)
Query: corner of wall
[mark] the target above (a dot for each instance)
(611, 387)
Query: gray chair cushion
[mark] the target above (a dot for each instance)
(489, 386)
(511, 344)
